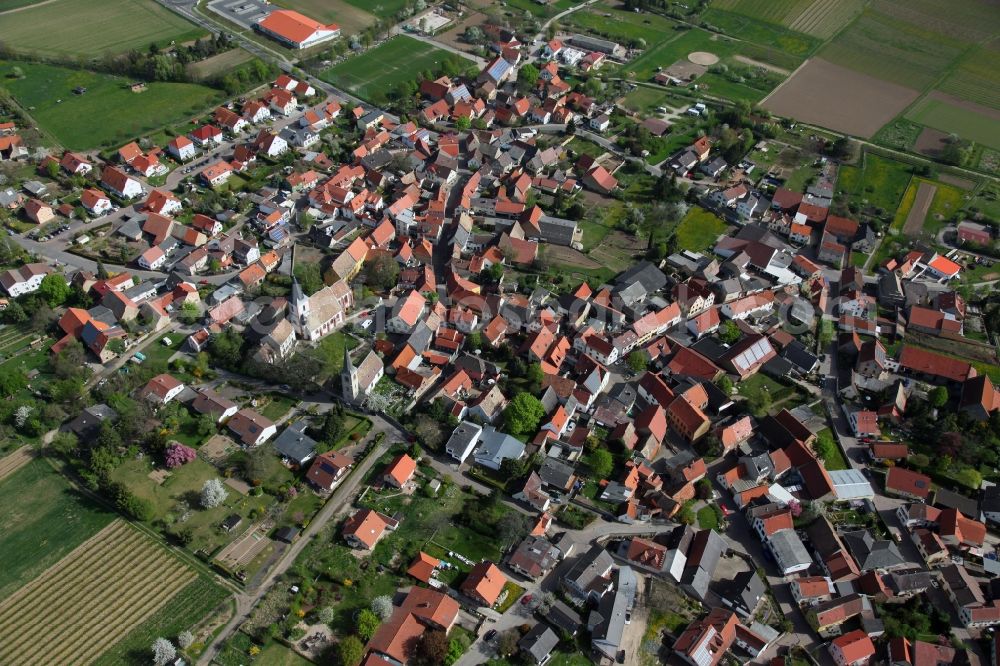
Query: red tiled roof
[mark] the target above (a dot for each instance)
(909, 482)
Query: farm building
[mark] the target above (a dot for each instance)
(296, 30)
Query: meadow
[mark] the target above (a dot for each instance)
(108, 113)
(387, 9)
(981, 125)
(374, 73)
(48, 520)
(880, 182)
(87, 28)
(699, 230)
(218, 64)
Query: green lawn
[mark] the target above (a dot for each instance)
(680, 43)
(373, 74)
(827, 449)
(879, 182)
(707, 518)
(42, 520)
(699, 230)
(179, 494)
(331, 351)
(277, 406)
(186, 609)
(91, 28)
(108, 114)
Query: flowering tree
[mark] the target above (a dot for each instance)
(163, 652)
(213, 493)
(177, 454)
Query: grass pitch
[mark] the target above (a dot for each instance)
(373, 74)
(108, 113)
(92, 28)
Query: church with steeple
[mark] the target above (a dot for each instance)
(315, 317)
(357, 382)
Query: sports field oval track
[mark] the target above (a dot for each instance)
(90, 599)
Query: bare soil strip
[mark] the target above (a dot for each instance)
(825, 94)
(757, 63)
(15, 461)
(917, 215)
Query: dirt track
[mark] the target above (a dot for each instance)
(15, 461)
(917, 215)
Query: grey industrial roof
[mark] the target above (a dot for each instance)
(849, 484)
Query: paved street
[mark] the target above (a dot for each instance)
(338, 501)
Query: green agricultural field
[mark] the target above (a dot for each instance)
(894, 50)
(699, 230)
(622, 26)
(879, 182)
(964, 121)
(48, 520)
(108, 114)
(373, 74)
(218, 64)
(760, 32)
(185, 610)
(92, 28)
(7, 5)
(977, 78)
(819, 18)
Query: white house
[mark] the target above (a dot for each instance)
(601, 123)
(463, 440)
(96, 202)
(119, 183)
(162, 389)
(182, 148)
(152, 258)
(23, 280)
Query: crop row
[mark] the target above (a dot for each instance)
(98, 594)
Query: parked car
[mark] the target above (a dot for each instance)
(490, 635)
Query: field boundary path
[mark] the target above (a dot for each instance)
(21, 9)
(15, 461)
(918, 213)
(247, 601)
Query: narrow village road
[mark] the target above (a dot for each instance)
(339, 499)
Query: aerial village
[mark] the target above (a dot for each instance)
(416, 432)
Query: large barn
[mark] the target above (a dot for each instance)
(296, 30)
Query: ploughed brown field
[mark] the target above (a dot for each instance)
(825, 94)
